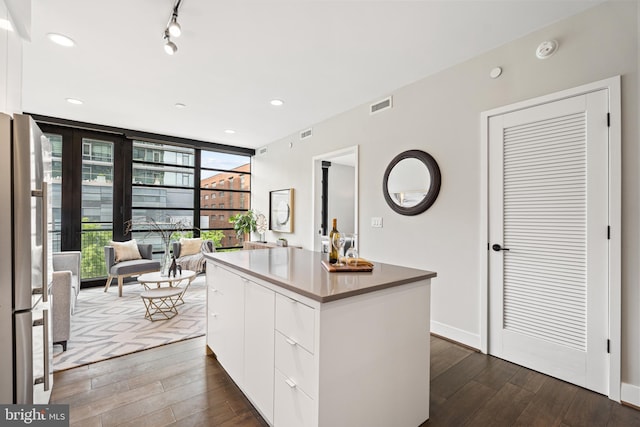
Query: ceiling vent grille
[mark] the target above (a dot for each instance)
(381, 105)
(306, 133)
(262, 151)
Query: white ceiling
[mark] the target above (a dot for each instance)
(321, 57)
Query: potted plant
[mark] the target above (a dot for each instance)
(243, 223)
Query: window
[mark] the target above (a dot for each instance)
(164, 182)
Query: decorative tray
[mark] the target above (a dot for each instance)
(346, 268)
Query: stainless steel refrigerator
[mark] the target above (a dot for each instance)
(26, 348)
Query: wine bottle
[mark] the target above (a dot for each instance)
(333, 252)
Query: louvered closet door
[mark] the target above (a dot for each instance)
(548, 211)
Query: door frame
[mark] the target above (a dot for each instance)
(615, 215)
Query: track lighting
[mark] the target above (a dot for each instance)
(173, 30)
(169, 47)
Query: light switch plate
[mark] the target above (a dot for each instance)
(376, 222)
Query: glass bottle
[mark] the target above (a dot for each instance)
(333, 252)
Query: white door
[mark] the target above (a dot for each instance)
(548, 230)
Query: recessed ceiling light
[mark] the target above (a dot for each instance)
(277, 102)
(5, 24)
(60, 39)
(180, 105)
(74, 101)
(229, 131)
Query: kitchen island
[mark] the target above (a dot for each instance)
(313, 348)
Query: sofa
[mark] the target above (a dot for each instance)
(65, 288)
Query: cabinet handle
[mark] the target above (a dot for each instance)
(291, 341)
(290, 383)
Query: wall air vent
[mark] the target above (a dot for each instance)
(306, 133)
(381, 105)
(262, 151)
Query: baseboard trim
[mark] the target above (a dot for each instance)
(452, 333)
(630, 394)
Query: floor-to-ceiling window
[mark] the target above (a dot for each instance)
(105, 181)
(225, 190)
(163, 191)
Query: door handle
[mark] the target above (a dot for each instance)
(498, 248)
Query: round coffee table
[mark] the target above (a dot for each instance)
(186, 276)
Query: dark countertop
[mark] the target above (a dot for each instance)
(301, 271)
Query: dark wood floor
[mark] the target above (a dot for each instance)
(179, 385)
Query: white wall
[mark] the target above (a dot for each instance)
(441, 115)
(341, 196)
(10, 66)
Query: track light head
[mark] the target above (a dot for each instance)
(169, 47)
(174, 28)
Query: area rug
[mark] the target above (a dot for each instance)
(105, 326)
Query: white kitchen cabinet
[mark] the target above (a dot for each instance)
(258, 346)
(225, 323)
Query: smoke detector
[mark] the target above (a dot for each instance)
(546, 49)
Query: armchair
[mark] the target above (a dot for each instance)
(64, 290)
(194, 262)
(129, 268)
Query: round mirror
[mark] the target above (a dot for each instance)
(411, 182)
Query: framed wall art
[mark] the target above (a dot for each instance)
(281, 210)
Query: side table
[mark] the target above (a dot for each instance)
(148, 279)
(161, 302)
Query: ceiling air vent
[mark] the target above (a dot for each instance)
(381, 105)
(306, 133)
(262, 151)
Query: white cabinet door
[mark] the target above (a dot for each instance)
(259, 347)
(226, 320)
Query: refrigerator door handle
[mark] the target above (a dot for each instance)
(43, 193)
(45, 334)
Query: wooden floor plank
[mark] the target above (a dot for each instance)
(588, 408)
(444, 356)
(177, 385)
(549, 405)
(503, 409)
(456, 410)
(160, 418)
(623, 416)
(458, 375)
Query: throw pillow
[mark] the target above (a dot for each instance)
(126, 251)
(190, 246)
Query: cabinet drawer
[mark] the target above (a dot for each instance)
(296, 363)
(292, 407)
(295, 320)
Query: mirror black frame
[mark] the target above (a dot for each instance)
(434, 188)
